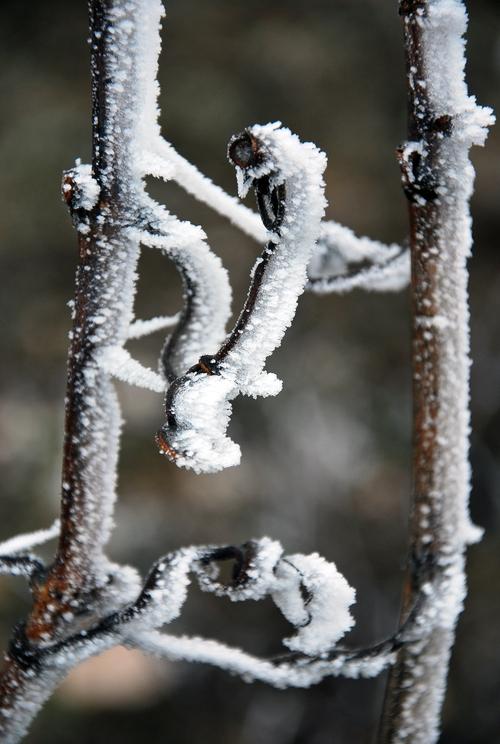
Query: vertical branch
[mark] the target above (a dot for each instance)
(101, 201)
(438, 181)
(18, 683)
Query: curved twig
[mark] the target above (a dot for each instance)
(284, 172)
(21, 565)
(202, 323)
(337, 244)
(391, 274)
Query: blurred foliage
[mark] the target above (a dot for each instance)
(326, 464)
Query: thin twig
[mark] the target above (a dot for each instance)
(337, 242)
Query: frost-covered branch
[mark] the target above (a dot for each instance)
(102, 199)
(287, 176)
(341, 261)
(15, 556)
(24, 542)
(141, 328)
(289, 670)
(360, 263)
(438, 181)
(310, 592)
(206, 291)
(113, 215)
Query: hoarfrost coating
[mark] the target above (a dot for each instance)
(265, 574)
(320, 620)
(324, 617)
(156, 157)
(198, 411)
(438, 178)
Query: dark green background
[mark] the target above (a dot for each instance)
(325, 464)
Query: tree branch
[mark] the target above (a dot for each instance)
(437, 178)
(287, 176)
(337, 247)
(101, 202)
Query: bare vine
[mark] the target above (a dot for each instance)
(82, 602)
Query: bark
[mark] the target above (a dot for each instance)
(437, 179)
(66, 597)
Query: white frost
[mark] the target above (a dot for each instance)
(116, 361)
(206, 285)
(281, 675)
(25, 542)
(87, 189)
(443, 90)
(202, 410)
(141, 328)
(323, 617)
(320, 618)
(201, 405)
(337, 246)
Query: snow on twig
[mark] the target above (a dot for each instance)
(337, 247)
(387, 275)
(438, 181)
(285, 674)
(29, 540)
(141, 328)
(337, 244)
(320, 621)
(206, 291)
(287, 176)
(309, 591)
(117, 362)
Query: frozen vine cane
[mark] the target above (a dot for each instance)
(339, 254)
(287, 176)
(438, 182)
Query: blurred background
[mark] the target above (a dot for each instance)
(325, 464)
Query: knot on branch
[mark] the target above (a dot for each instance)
(244, 150)
(207, 365)
(255, 166)
(80, 190)
(419, 183)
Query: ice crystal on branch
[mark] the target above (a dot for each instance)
(437, 179)
(287, 176)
